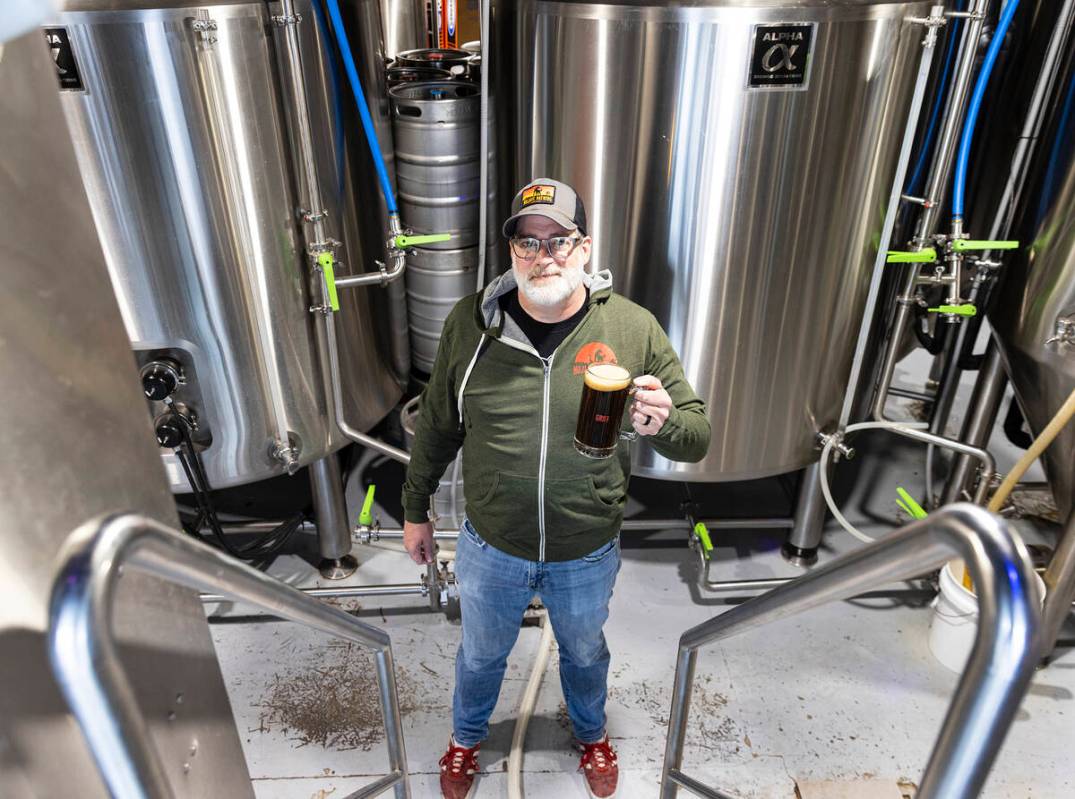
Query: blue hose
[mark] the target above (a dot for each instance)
(960, 184)
(918, 171)
(363, 109)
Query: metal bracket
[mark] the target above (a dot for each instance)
(287, 454)
(312, 216)
(838, 444)
(925, 202)
(1063, 331)
(205, 28)
(318, 247)
(934, 22)
(280, 20)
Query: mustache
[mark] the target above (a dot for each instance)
(543, 272)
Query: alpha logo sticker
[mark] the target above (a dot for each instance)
(594, 352)
(781, 56)
(539, 194)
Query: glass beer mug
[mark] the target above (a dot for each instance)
(606, 387)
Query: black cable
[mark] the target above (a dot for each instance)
(934, 343)
(265, 546)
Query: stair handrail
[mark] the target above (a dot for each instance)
(997, 673)
(84, 656)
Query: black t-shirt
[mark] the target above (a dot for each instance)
(545, 336)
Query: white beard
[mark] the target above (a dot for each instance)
(552, 291)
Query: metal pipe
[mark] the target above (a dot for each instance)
(435, 13)
(978, 426)
(483, 144)
(363, 535)
(938, 178)
(1028, 138)
(921, 82)
(330, 509)
(1001, 663)
(378, 787)
(761, 584)
(83, 651)
(1059, 580)
(319, 241)
(907, 393)
(953, 350)
(955, 109)
(336, 390)
(809, 521)
(749, 524)
(343, 591)
(695, 787)
(989, 465)
(393, 723)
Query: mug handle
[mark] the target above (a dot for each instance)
(631, 435)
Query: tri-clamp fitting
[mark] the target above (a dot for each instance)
(837, 441)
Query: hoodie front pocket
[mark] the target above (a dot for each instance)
(508, 510)
(573, 507)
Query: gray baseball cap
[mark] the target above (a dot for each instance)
(549, 198)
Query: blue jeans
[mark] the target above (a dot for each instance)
(495, 589)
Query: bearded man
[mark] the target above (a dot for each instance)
(542, 519)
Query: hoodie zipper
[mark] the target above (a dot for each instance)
(546, 369)
(547, 365)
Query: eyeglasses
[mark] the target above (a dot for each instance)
(558, 247)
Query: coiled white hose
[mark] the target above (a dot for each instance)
(826, 453)
(526, 710)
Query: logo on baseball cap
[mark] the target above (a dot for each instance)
(549, 198)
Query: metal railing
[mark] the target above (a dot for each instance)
(996, 675)
(83, 652)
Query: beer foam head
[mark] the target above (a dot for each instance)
(607, 377)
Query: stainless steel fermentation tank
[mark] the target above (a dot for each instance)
(78, 447)
(1034, 313)
(181, 128)
(735, 159)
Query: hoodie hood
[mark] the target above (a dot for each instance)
(599, 283)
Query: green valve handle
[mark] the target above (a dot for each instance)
(326, 261)
(967, 309)
(926, 256)
(963, 245)
(908, 503)
(403, 242)
(365, 518)
(702, 533)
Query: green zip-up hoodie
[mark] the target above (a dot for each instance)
(528, 491)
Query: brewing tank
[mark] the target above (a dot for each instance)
(180, 121)
(1034, 312)
(735, 159)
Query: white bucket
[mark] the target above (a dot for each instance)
(954, 624)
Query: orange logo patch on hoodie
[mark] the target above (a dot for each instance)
(594, 352)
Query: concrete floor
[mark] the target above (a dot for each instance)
(844, 701)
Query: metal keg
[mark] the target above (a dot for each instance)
(455, 62)
(449, 505)
(399, 74)
(436, 280)
(437, 165)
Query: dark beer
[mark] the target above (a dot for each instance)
(604, 396)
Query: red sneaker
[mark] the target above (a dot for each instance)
(598, 766)
(457, 770)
